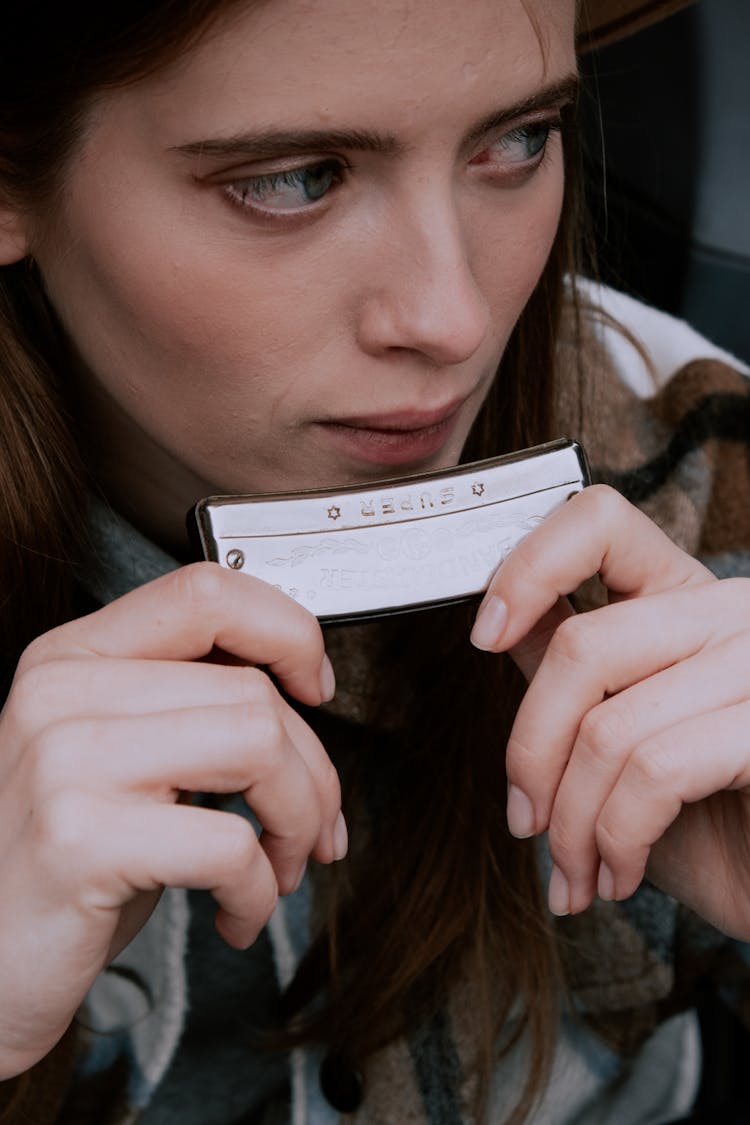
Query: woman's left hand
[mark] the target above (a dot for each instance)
(632, 744)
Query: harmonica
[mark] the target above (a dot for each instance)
(394, 545)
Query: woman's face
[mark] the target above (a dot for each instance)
(295, 258)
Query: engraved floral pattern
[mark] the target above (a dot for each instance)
(332, 546)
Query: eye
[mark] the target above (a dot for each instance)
(528, 142)
(524, 145)
(292, 189)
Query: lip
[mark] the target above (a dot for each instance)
(402, 420)
(397, 437)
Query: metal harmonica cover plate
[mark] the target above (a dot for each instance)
(392, 545)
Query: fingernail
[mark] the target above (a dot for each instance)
(605, 883)
(490, 622)
(520, 813)
(559, 893)
(340, 837)
(327, 680)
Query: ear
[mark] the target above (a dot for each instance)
(14, 242)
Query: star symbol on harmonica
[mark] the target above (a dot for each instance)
(334, 513)
(478, 488)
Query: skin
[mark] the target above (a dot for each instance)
(401, 288)
(630, 745)
(227, 347)
(217, 341)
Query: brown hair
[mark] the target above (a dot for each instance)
(444, 892)
(50, 68)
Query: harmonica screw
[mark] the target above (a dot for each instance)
(235, 559)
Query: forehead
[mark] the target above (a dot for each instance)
(315, 60)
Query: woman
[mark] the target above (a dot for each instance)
(259, 247)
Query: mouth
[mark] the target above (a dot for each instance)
(397, 437)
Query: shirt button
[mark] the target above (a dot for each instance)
(342, 1084)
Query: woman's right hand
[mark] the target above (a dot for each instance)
(111, 720)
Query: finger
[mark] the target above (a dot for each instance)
(187, 613)
(49, 692)
(576, 727)
(529, 652)
(596, 655)
(333, 841)
(144, 847)
(687, 763)
(613, 731)
(593, 656)
(596, 532)
(240, 748)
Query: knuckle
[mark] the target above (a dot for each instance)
(302, 636)
(606, 731)
(602, 501)
(329, 784)
(520, 760)
(302, 826)
(657, 765)
(239, 848)
(562, 842)
(293, 844)
(734, 593)
(62, 826)
(608, 839)
(310, 633)
(267, 737)
(34, 687)
(526, 559)
(49, 758)
(577, 640)
(266, 891)
(199, 585)
(309, 825)
(252, 684)
(42, 760)
(37, 651)
(620, 848)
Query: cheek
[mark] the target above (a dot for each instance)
(163, 321)
(151, 303)
(158, 296)
(514, 243)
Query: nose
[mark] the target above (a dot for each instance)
(422, 295)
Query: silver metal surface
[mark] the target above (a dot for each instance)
(392, 545)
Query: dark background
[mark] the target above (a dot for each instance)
(670, 138)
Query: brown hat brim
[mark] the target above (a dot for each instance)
(603, 21)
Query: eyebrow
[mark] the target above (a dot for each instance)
(271, 143)
(558, 95)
